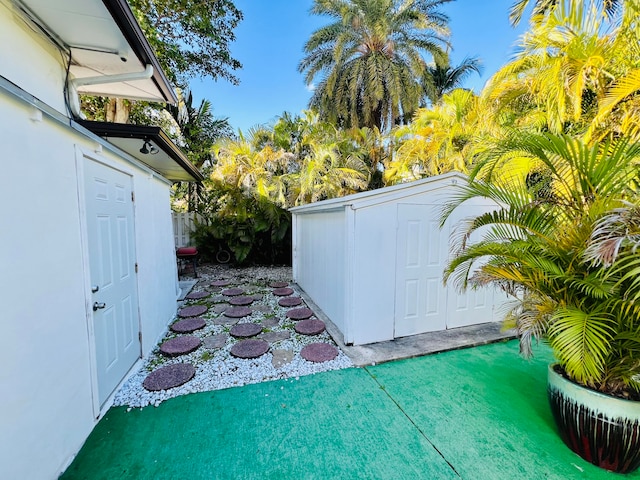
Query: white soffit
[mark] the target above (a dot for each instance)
(99, 46)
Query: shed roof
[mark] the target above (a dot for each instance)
(382, 195)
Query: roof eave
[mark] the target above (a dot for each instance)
(142, 132)
(128, 25)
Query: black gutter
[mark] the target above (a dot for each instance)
(128, 25)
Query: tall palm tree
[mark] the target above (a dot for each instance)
(370, 58)
(440, 79)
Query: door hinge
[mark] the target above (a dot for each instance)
(140, 337)
(133, 197)
(136, 267)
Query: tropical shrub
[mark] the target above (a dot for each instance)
(561, 245)
(254, 230)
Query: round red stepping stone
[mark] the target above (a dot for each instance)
(237, 312)
(250, 348)
(290, 301)
(192, 311)
(299, 313)
(197, 295)
(310, 327)
(232, 292)
(220, 283)
(279, 284)
(168, 377)
(180, 345)
(242, 300)
(282, 292)
(319, 352)
(244, 330)
(188, 325)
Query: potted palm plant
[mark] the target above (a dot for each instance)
(562, 243)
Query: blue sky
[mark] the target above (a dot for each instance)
(270, 39)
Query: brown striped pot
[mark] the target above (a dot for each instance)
(602, 429)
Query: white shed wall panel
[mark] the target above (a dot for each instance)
(320, 256)
(49, 380)
(371, 302)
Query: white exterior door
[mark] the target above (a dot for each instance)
(112, 269)
(423, 303)
(420, 297)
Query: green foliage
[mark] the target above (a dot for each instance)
(190, 37)
(439, 79)
(566, 253)
(255, 230)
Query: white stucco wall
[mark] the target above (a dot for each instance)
(29, 61)
(46, 409)
(158, 274)
(48, 404)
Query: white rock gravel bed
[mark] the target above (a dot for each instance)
(215, 368)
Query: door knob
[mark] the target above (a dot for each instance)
(97, 306)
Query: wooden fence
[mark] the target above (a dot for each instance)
(183, 228)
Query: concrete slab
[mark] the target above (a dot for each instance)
(415, 345)
(185, 287)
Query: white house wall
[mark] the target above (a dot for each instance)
(156, 258)
(29, 61)
(319, 250)
(47, 407)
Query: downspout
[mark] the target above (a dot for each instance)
(74, 97)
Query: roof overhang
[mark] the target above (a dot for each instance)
(168, 160)
(104, 39)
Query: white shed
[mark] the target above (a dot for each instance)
(373, 262)
(88, 279)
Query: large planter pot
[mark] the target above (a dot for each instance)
(603, 430)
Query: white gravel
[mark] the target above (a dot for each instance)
(217, 369)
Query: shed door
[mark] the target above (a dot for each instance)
(423, 303)
(421, 299)
(475, 305)
(112, 264)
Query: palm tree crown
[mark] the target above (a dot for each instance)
(371, 58)
(440, 79)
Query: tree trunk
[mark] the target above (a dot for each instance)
(118, 110)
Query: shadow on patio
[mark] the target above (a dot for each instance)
(476, 413)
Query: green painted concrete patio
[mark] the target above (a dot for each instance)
(476, 413)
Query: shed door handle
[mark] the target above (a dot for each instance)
(97, 306)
